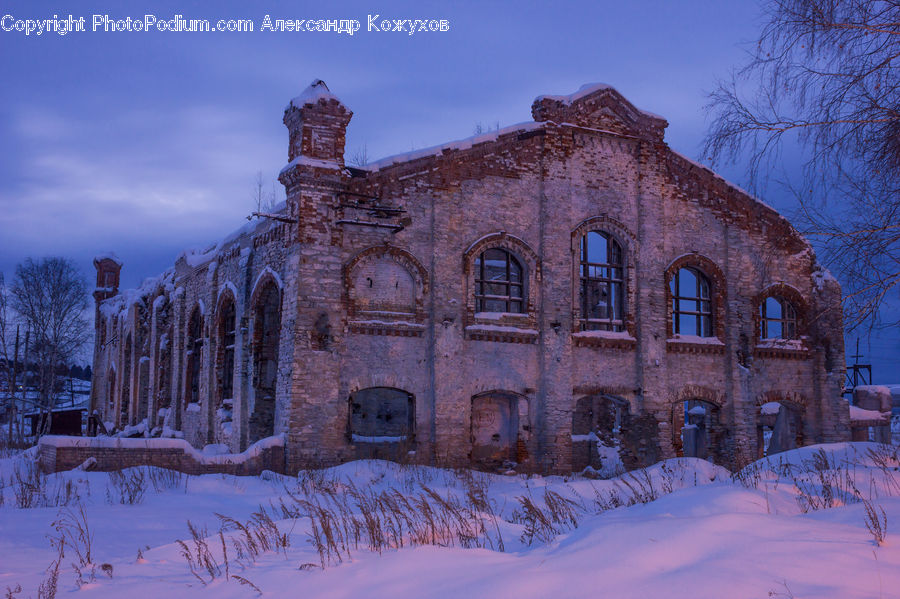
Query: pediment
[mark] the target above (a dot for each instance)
(599, 106)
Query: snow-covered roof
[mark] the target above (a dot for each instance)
(107, 256)
(199, 255)
(317, 90)
(588, 89)
(459, 144)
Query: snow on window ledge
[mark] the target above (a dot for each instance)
(775, 343)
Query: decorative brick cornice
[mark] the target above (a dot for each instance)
(386, 329)
(781, 353)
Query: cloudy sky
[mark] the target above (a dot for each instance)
(145, 143)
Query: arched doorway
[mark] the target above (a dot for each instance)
(597, 423)
(266, 333)
(226, 323)
(779, 427)
(193, 354)
(494, 429)
(125, 399)
(696, 429)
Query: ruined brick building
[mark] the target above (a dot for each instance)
(546, 295)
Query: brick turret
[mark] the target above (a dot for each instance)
(108, 268)
(317, 121)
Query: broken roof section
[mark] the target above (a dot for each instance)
(600, 106)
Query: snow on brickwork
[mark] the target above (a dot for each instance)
(317, 90)
(254, 450)
(460, 144)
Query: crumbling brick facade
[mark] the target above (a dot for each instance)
(457, 305)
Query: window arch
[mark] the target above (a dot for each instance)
(602, 282)
(499, 282)
(692, 303)
(777, 318)
(387, 281)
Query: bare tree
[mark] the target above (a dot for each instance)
(50, 296)
(360, 157)
(823, 81)
(9, 375)
(263, 200)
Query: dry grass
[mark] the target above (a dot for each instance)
(32, 488)
(73, 531)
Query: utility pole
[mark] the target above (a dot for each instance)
(858, 373)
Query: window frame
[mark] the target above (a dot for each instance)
(616, 287)
(509, 299)
(786, 321)
(701, 316)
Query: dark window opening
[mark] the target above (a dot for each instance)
(126, 383)
(194, 345)
(226, 351)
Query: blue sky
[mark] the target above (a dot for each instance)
(145, 143)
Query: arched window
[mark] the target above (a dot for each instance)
(602, 283)
(225, 351)
(194, 349)
(499, 282)
(777, 319)
(691, 303)
(125, 402)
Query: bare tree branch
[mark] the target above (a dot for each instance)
(823, 80)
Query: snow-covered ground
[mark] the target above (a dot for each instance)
(792, 526)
